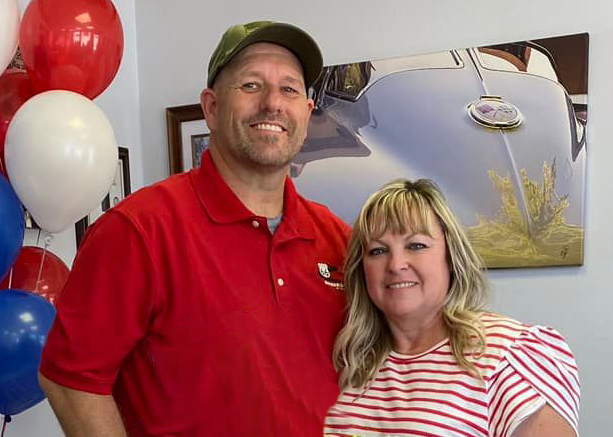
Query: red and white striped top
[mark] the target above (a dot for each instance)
(430, 395)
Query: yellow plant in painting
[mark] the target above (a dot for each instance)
(536, 237)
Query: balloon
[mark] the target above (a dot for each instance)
(61, 157)
(24, 273)
(74, 45)
(9, 31)
(25, 320)
(12, 226)
(15, 89)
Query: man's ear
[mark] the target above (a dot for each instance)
(311, 105)
(208, 101)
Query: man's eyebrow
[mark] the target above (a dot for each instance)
(292, 79)
(254, 73)
(248, 73)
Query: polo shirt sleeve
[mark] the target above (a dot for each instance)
(105, 307)
(538, 368)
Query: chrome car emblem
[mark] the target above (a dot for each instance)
(493, 112)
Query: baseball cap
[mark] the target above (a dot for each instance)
(286, 35)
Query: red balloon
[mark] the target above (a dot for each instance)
(73, 45)
(15, 89)
(25, 272)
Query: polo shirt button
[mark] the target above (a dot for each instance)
(280, 281)
(255, 224)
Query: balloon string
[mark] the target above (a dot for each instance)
(11, 277)
(7, 419)
(42, 261)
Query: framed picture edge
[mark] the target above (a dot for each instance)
(175, 116)
(124, 156)
(197, 157)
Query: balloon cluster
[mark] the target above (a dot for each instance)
(58, 157)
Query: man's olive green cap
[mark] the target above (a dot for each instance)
(286, 35)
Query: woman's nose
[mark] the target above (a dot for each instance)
(397, 261)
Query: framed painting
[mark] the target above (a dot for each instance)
(500, 128)
(188, 137)
(199, 144)
(120, 189)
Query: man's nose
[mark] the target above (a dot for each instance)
(272, 100)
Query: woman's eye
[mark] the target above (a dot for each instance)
(376, 251)
(416, 246)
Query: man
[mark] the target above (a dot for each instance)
(207, 305)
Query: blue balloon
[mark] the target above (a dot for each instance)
(25, 320)
(12, 225)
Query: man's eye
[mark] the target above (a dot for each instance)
(289, 90)
(250, 86)
(376, 251)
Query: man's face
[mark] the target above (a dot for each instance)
(262, 109)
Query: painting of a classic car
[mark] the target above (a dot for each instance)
(501, 129)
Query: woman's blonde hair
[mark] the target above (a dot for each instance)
(365, 342)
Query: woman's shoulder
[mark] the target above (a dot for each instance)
(494, 322)
(504, 332)
(532, 361)
(501, 331)
(507, 340)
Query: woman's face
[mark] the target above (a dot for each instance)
(408, 275)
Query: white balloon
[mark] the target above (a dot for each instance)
(9, 31)
(61, 157)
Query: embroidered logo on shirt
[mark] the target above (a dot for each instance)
(324, 270)
(331, 276)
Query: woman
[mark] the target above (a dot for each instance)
(418, 355)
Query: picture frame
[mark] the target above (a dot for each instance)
(509, 150)
(187, 136)
(30, 223)
(522, 206)
(119, 190)
(199, 144)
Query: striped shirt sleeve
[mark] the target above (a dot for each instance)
(538, 368)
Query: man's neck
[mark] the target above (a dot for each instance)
(260, 190)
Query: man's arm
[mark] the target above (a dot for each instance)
(83, 414)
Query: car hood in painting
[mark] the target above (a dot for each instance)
(515, 187)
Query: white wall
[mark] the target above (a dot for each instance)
(176, 38)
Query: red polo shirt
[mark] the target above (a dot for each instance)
(198, 320)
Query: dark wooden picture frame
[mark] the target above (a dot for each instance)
(175, 117)
(82, 225)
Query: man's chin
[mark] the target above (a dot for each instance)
(274, 160)
(273, 163)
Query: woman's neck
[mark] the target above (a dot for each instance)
(412, 338)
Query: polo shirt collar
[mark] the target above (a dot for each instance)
(223, 206)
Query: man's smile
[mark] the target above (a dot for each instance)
(268, 127)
